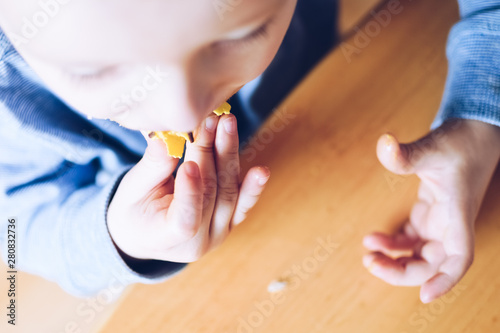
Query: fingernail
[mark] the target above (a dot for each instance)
(192, 170)
(210, 123)
(389, 140)
(388, 145)
(425, 299)
(373, 268)
(230, 125)
(263, 181)
(368, 261)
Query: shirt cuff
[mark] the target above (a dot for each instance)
(144, 271)
(472, 88)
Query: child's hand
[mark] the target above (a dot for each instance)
(455, 164)
(154, 216)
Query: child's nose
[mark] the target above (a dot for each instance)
(183, 97)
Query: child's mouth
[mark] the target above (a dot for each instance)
(175, 141)
(189, 135)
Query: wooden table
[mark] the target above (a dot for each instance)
(327, 191)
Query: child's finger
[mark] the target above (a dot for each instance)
(450, 273)
(398, 245)
(250, 192)
(184, 216)
(227, 162)
(457, 254)
(403, 271)
(155, 167)
(202, 152)
(403, 158)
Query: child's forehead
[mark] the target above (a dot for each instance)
(120, 25)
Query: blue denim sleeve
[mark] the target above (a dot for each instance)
(472, 88)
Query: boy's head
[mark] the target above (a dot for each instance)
(149, 65)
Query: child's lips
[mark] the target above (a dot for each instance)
(186, 130)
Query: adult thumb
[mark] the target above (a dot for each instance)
(154, 168)
(404, 158)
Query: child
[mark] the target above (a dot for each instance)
(90, 196)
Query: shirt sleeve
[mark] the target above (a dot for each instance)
(60, 208)
(472, 89)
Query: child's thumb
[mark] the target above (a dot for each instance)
(153, 169)
(402, 158)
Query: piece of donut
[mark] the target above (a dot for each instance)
(175, 141)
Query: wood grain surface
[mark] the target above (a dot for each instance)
(353, 11)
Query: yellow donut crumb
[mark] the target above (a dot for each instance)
(225, 108)
(175, 141)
